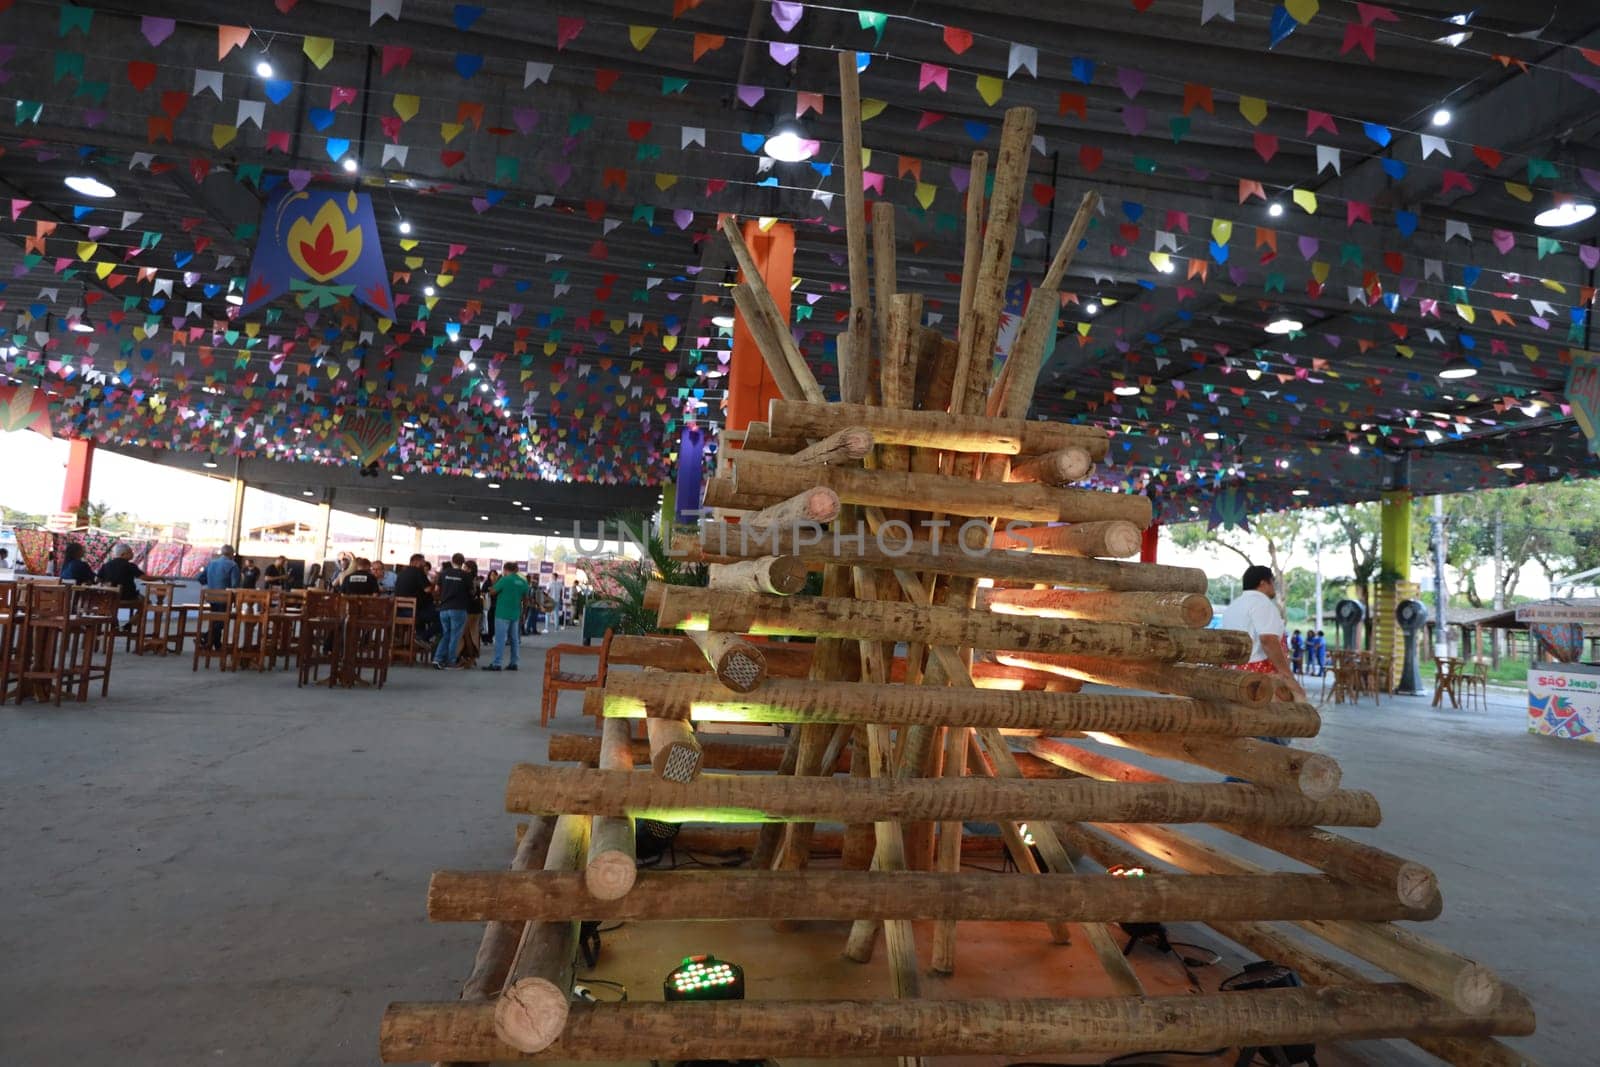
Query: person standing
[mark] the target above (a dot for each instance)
(276, 574)
(221, 573)
(249, 575)
(455, 598)
(1297, 652)
(1322, 653)
(1255, 612)
(508, 591)
(488, 607)
(472, 636)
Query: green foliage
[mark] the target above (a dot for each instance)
(633, 577)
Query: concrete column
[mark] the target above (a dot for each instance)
(324, 521)
(416, 539)
(236, 514)
(80, 464)
(377, 535)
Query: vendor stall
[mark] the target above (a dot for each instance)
(1563, 692)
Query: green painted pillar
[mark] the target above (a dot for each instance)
(1394, 579)
(1395, 551)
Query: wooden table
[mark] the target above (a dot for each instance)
(1447, 680)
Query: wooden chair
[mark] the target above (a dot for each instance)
(283, 628)
(405, 630)
(248, 619)
(556, 679)
(368, 640)
(153, 630)
(93, 638)
(1475, 682)
(321, 624)
(41, 668)
(211, 627)
(10, 630)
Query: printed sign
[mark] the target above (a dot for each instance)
(1555, 612)
(1564, 704)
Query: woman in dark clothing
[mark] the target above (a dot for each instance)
(75, 569)
(488, 611)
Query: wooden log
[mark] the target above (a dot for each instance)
(855, 210)
(948, 857)
(782, 575)
(884, 284)
(982, 324)
(688, 607)
(1266, 764)
(675, 753)
(613, 861)
(543, 790)
(1202, 683)
(714, 755)
(754, 1029)
(675, 652)
(721, 540)
(757, 474)
(531, 1011)
(541, 896)
(767, 330)
(971, 263)
(936, 368)
(1113, 540)
(738, 664)
(498, 948)
(1063, 467)
(849, 445)
(1190, 610)
(635, 694)
(935, 429)
(817, 504)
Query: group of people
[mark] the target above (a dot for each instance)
(458, 611)
(1308, 654)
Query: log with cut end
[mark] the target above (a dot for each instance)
(723, 540)
(537, 896)
(542, 790)
(532, 1009)
(635, 694)
(754, 1029)
(686, 607)
(1183, 679)
(613, 862)
(738, 664)
(1112, 540)
(849, 445)
(498, 947)
(1260, 762)
(1192, 610)
(675, 753)
(1061, 467)
(935, 429)
(1411, 883)
(769, 574)
(816, 504)
(758, 475)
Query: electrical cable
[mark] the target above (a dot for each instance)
(621, 989)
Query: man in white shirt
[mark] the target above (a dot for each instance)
(1255, 612)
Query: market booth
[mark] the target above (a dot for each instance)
(1563, 690)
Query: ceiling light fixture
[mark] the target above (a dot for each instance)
(209, 464)
(398, 477)
(86, 185)
(1508, 465)
(1275, 209)
(236, 299)
(405, 227)
(1566, 213)
(494, 485)
(264, 69)
(1279, 327)
(1091, 308)
(80, 326)
(1212, 436)
(350, 165)
(1441, 117)
(427, 290)
(1300, 492)
(724, 321)
(480, 475)
(483, 518)
(307, 492)
(1126, 390)
(1457, 369)
(788, 143)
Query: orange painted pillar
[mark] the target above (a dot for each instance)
(80, 461)
(750, 385)
(1149, 541)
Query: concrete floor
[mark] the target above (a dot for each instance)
(228, 869)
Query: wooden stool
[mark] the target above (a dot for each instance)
(556, 679)
(405, 630)
(10, 632)
(320, 626)
(247, 628)
(153, 633)
(42, 665)
(283, 628)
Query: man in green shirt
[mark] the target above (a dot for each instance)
(509, 590)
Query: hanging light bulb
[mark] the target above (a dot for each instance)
(787, 143)
(1566, 213)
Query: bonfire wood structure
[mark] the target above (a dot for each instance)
(918, 700)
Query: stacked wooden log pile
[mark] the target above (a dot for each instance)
(970, 588)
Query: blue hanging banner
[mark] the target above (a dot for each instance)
(691, 469)
(323, 244)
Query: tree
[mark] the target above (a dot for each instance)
(102, 517)
(1357, 528)
(1281, 531)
